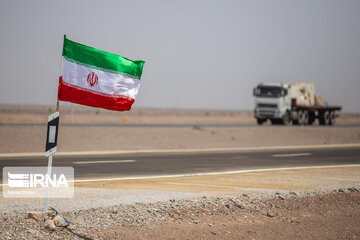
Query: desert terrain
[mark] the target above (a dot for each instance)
(23, 129)
(314, 203)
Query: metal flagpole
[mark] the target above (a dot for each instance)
(57, 104)
(48, 185)
(51, 142)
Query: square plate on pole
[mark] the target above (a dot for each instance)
(52, 132)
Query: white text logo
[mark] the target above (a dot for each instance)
(36, 180)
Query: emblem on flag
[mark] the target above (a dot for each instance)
(92, 79)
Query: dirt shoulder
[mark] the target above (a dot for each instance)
(331, 216)
(315, 215)
(320, 203)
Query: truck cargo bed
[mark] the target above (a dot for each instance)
(318, 108)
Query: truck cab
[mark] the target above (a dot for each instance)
(272, 101)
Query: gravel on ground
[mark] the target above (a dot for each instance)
(296, 215)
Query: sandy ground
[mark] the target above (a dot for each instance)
(77, 114)
(108, 193)
(255, 182)
(23, 129)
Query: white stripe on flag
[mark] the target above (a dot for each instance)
(108, 83)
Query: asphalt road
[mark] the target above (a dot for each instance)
(165, 163)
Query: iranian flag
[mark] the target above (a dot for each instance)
(97, 78)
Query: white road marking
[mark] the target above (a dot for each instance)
(292, 155)
(207, 174)
(109, 161)
(213, 173)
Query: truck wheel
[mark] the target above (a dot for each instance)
(332, 118)
(260, 121)
(297, 120)
(311, 118)
(305, 117)
(324, 118)
(286, 119)
(327, 117)
(301, 117)
(321, 118)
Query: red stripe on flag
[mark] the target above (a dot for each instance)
(77, 95)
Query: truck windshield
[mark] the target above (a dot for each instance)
(269, 92)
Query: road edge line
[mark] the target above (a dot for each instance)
(215, 173)
(208, 174)
(87, 153)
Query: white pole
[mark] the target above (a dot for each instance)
(48, 185)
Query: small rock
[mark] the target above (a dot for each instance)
(281, 197)
(35, 215)
(114, 210)
(31, 231)
(341, 190)
(269, 214)
(60, 221)
(50, 225)
(204, 197)
(213, 233)
(50, 214)
(71, 227)
(7, 236)
(293, 193)
(353, 189)
(237, 203)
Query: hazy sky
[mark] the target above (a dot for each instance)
(199, 54)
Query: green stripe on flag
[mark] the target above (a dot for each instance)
(98, 59)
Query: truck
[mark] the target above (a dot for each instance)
(296, 103)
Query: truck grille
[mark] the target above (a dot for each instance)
(267, 105)
(266, 113)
